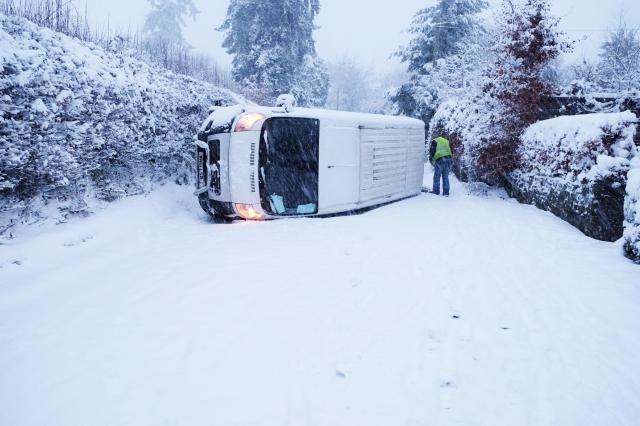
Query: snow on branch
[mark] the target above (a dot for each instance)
(580, 148)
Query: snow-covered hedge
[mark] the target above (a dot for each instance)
(580, 148)
(79, 123)
(468, 123)
(632, 212)
(576, 167)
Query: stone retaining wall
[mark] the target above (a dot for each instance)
(596, 209)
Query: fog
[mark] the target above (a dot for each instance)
(368, 31)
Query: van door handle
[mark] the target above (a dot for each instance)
(334, 166)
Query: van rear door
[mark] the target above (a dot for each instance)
(340, 162)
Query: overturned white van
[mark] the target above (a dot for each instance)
(272, 162)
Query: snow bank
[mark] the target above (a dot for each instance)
(580, 148)
(80, 124)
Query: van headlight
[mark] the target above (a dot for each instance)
(248, 121)
(247, 211)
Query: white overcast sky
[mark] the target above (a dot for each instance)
(369, 30)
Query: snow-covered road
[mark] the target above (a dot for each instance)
(462, 311)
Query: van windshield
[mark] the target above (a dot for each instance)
(289, 150)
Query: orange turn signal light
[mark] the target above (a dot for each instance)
(247, 211)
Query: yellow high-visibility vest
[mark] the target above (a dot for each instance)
(443, 148)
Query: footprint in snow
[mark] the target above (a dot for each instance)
(340, 374)
(16, 262)
(77, 242)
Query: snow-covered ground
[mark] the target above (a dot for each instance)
(463, 311)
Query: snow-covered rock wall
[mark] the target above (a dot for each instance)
(576, 167)
(81, 125)
(595, 208)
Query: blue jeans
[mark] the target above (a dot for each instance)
(442, 167)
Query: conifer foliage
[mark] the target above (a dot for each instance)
(438, 33)
(274, 50)
(165, 22)
(437, 30)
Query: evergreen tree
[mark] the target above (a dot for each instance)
(437, 30)
(164, 24)
(437, 33)
(619, 67)
(274, 50)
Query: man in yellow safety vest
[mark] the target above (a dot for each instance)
(441, 157)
